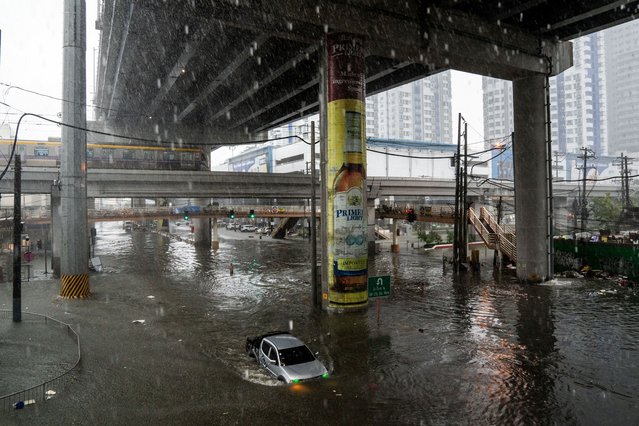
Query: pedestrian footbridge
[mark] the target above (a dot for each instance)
(495, 236)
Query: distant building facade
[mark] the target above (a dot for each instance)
(622, 61)
(577, 106)
(417, 111)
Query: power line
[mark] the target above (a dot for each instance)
(11, 86)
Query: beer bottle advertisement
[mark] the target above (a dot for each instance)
(346, 180)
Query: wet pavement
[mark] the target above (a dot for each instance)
(447, 350)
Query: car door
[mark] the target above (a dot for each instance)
(268, 358)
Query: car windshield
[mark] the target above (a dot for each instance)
(296, 355)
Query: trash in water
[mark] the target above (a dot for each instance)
(20, 404)
(138, 321)
(150, 297)
(95, 264)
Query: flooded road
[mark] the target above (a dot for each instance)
(447, 350)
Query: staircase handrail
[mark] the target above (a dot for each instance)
(484, 233)
(504, 238)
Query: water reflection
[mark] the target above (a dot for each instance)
(448, 349)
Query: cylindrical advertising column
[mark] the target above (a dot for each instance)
(346, 174)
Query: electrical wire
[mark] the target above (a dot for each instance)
(410, 156)
(128, 112)
(13, 147)
(155, 141)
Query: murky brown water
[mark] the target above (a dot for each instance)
(447, 350)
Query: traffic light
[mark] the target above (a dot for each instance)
(410, 215)
(186, 214)
(252, 214)
(232, 214)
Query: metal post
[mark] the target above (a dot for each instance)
(464, 204)
(314, 286)
(457, 197)
(323, 107)
(46, 240)
(17, 241)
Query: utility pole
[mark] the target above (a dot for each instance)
(315, 287)
(456, 229)
(583, 202)
(557, 155)
(17, 241)
(465, 206)
(625, 182)
(496, 253)
(461, 209)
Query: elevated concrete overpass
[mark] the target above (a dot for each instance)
(221, 72)
(111, 183)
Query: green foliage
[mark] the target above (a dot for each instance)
(606, 210)
(431, 238)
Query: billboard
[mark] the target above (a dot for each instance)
(346, 173)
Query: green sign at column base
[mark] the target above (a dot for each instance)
(379, 286)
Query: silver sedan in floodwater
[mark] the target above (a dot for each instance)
(285, 356)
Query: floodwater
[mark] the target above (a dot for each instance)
(446, 350)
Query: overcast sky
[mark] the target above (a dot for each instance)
(31, 58)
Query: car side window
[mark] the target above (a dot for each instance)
(268, 350)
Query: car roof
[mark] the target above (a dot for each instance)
(285, 341)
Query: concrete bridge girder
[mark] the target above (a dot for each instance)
(103, 183)
(405, 41)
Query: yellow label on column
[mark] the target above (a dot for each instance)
(346, 222)
(352, 264)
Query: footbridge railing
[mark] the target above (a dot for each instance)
(494, 235)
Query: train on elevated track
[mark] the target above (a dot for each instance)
(110, 156)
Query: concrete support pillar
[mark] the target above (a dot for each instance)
(370, 206)
(202, 231)
(215, 242)
(395, 244)
(345, 177)
(530, 179)
(74, 242)
(138, 202)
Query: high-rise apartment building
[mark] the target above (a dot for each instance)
(498, 108)
(419, 111)
(622, 86)
(577, 101)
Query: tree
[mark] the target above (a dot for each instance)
(607, 211)
(431, 238)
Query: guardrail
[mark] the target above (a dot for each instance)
(437, 213)
(48, 389)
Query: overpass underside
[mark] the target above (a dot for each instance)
(222, 73)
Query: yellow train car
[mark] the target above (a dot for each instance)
(110, 156)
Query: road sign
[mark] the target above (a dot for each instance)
(379, 286)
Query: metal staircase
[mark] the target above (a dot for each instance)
(285, 225)
(495, 236)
